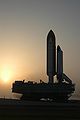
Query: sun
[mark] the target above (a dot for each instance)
(5, 75)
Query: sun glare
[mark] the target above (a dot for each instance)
(6, 75)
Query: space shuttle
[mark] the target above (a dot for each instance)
(55, 60)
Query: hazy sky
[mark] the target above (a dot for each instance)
(24, 25)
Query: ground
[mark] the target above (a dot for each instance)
(28, 110)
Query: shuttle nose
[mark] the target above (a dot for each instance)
(51, 35)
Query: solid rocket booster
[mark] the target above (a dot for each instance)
(59, 64)
(51, 56)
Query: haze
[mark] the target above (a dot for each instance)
(24, 25)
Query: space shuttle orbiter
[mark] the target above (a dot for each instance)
(51, 60)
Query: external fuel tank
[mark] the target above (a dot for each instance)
(51, 56)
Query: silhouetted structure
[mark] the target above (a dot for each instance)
(58, 91)
(51, 56)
